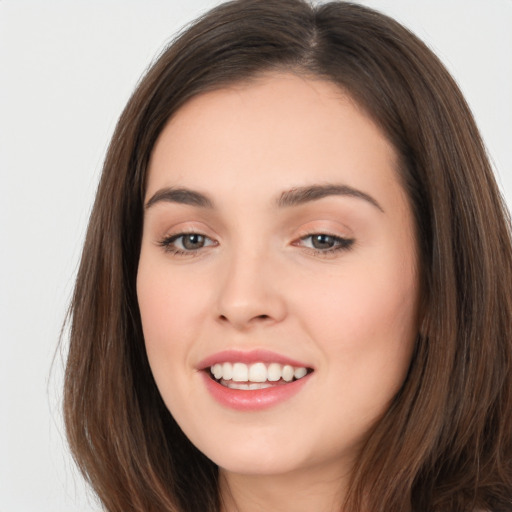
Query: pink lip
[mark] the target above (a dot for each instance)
(248, 357)
(252, 400)
(256, 399)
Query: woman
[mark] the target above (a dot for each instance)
(294, 290)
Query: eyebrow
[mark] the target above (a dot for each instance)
(301, 195)
(293, 197)
(180, 196)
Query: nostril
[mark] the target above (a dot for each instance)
(224, 318)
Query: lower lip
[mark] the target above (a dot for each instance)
(253, 400)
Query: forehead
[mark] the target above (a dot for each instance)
(276, 131)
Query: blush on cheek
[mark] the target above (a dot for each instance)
(361, 322)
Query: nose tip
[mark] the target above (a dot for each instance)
(256, 310)
(249, 296)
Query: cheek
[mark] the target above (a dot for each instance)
(165, 308)
(169, 306)
(366, 321)
(376, 306)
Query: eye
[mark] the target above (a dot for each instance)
(190, 242)
(325, 243)
(186, 243)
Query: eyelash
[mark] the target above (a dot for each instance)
(167, 244)
(341, 244)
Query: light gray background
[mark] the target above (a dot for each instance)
(66, 70)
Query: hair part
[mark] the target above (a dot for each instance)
(445, 443)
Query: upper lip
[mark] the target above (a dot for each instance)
(248, 357)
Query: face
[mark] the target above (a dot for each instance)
(278, 282)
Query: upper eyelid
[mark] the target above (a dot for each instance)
(301, 235)
(179, 229)
(311, 228)
(336, 237)
(185, 233)
(343, 244)
(328, 232)
(336, 233)
(168, 244)
(176, 236)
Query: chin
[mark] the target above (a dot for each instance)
(256, 458)
(255, 465)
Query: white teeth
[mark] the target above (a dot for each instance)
(299, 373)
(257, 372)
(256, 375)
(288, 373)
(217, 371)
(240, 372)
(247, 385)
(227, 371)
(274, 372)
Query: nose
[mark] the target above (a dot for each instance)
(250, 293)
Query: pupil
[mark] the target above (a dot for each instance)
(193, 241)
(323, 241)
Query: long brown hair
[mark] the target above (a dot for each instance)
(445, 444)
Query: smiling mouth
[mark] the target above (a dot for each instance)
(257, 375)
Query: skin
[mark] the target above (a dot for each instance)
(258, 282)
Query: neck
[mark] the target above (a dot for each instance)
(319, 489)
